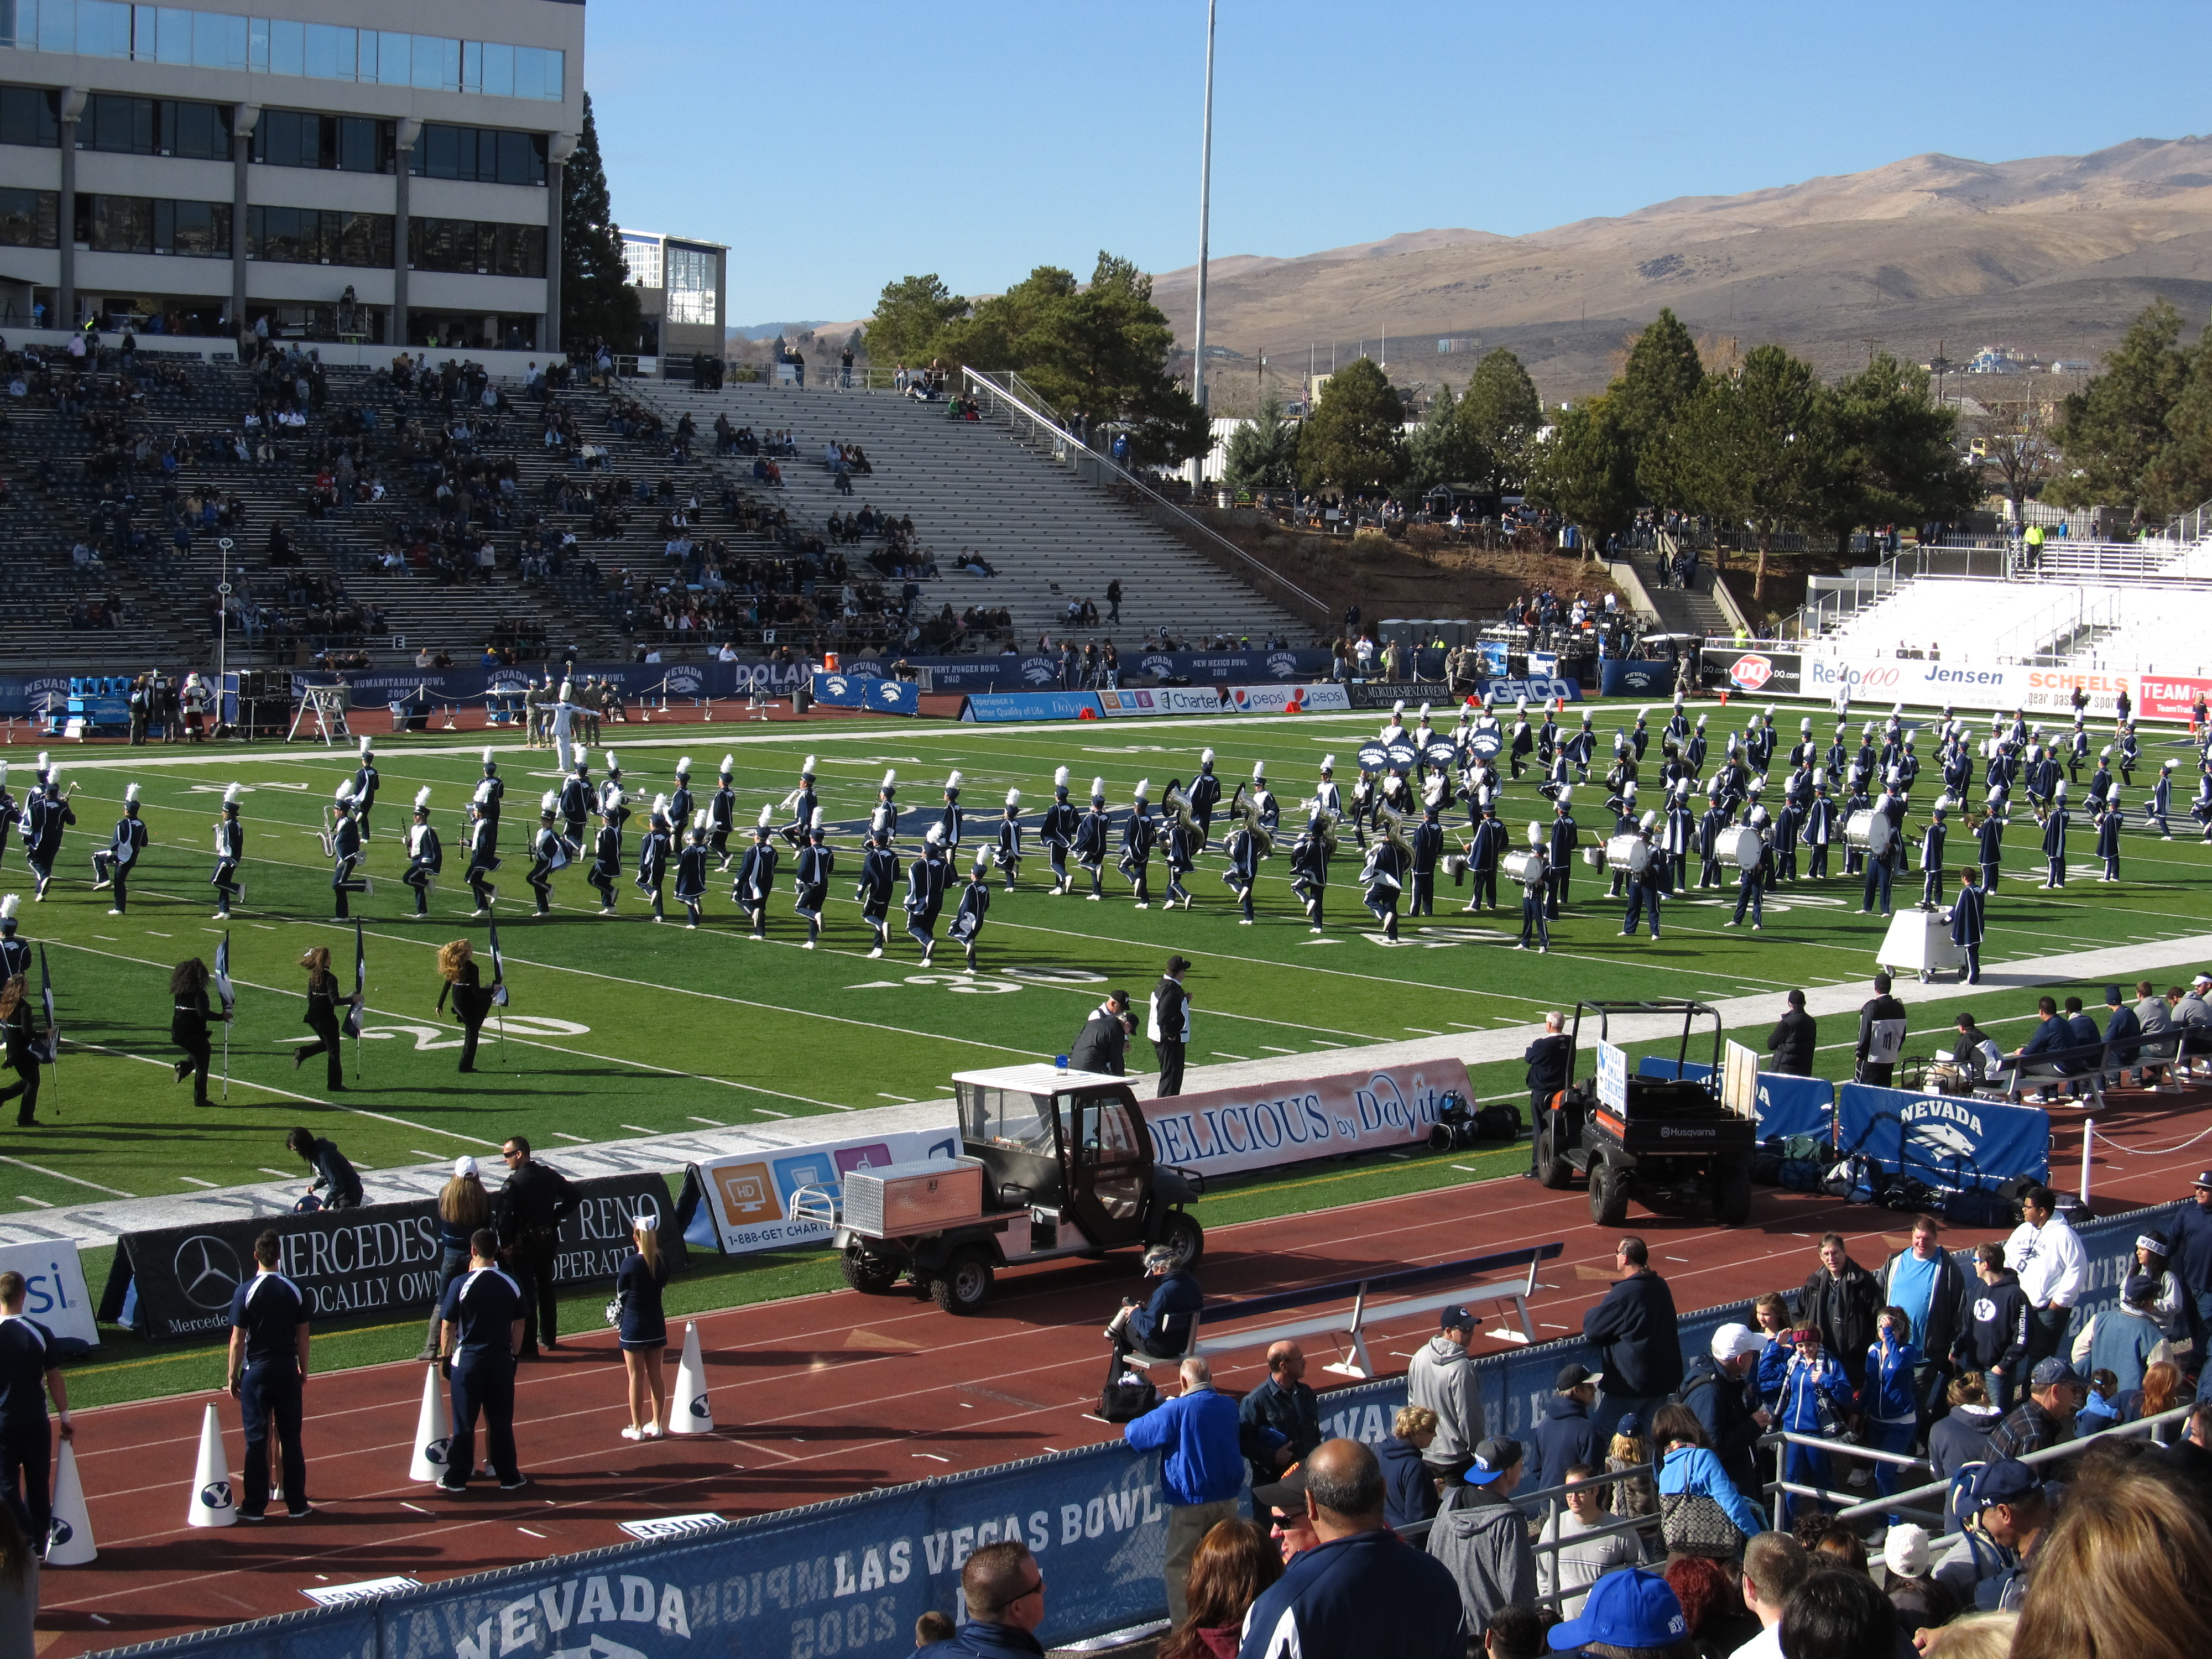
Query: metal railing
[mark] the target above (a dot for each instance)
(2194, 525)
(1001, 397)
(1550, 1503)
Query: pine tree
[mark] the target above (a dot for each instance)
(596, 300)
(1497, 419)
(2115, 428)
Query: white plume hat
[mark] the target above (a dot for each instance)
(807, 769)
(10, 905)
(611, 761)
(729, 764)
(699, 818)
(1259, 771)
(890, 780)
(814, 822)
(1536, 833)
(364, 743)
(1205, 757)
(1648, 819)
(660, 806)
(1143, 787)
(952, 782)
(231, 794)
(1099, 789)
(1329, 762)
(1060, 778)
(683, 767)
(548, 803)
(422, 798)
(345, 791)
(767, 814)
(131, 795)
(1013, 798)
(1566, 793)
(487, 755)
(933, 834)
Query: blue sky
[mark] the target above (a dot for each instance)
(838, 147)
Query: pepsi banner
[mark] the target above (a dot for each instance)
(1945, 1140)
(1788, 1105)
(178, 1281)
(1772, 673)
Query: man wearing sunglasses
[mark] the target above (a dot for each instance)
(1004, 1590)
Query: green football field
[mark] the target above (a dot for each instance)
(619, 1027)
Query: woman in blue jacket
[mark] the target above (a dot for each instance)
(1816, 1398)
(1688, 1467)
(1889, 1408)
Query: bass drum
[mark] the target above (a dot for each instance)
(1741, 846)
(1867, 832)
(1629, 853)
(1526, 867)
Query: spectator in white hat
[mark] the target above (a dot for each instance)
(463, 1207)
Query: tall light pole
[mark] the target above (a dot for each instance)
(1205, 209)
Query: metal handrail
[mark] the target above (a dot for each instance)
(1095, 468)
(1553, 1505)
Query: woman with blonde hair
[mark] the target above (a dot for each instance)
(642, 1329)
(2125, 1569)
(464, 1206)
(322, 1018)
(457, 967)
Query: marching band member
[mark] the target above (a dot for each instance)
(1535, 884)
(1523, 743)
(112, 867)
(366, 780)
(1137, 834)
(887, 803)
(2077, 749)
(1819, 830)
(1931, 855)
(578, 798)
(1363, 805)
(1676, 838)
(459, 975)
(2100, 781)
(2055, 826)
(1057, 832)
(607, 854)
(1325, 792)
(1271, 813)
(230, 854)
(1644, 886)
(345, 851)
(1677, 729)
(879, 872)
(1716, 817)
(548, 853)
(1881, 868)
(975, 901)
(1759, 742)
(1559, 856)
(756, 874)
(1581, 749)
(950, 817)
(1424, 735)
(679, 800)
(1008, 854)
(1988, 842)
(1623, 808)
(1181, 838)
(1205, 796)
(483, 859)
(1855, 803)
(1310, 863)
(802, 803)
(1640, 738)
(2110, 818)
(2131, 754)
(691, 871)
(8, 811)
(1548, 733)
(1090, 837)
(1484, 848)
(1805, 752)
(1693, 751)
(1428, 839)
(2162, 799)
(653, 851)
(925, 892)
(45, 817)
(614, 799)
(14, 955)
(1383, 877)
(1394, 729)
(1966, 920)
(1789, 826)
(1242, 847)
(426, 855)
(1751, 884)
(722, 815)
(811, 875)
(491, 791)
(1837, 756)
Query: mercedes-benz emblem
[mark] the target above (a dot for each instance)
(207, 1270)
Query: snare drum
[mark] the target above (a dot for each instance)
(1594, 856)
(1741, 846)
(1867, 832)
(1526, 867)
(1628, 853)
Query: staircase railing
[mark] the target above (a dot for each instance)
(1008, 401)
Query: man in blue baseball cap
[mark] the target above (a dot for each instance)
(2013, 1512)
(1629, 1609)
(1483, 1537)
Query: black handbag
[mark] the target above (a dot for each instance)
(1127, 1393)
(1694, 1524)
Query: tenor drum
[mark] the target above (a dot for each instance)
(1629, 853)
(1526, 867)
(1594, 856)
(1867, 832)
(1741, 846)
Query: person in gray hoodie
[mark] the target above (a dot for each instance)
(1441, 1378)
(1482, 1535)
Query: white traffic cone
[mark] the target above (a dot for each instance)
(212, 1503)
(691, 1411)
(433, 1431)
(69, 1542)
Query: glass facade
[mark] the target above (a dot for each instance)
(484, 155)
(29, 218)
(641, 258)
(146, 224)
(212, 40)
(341, 144)
(690, 275)
(155, 126)
(318, 236)
(482, 249)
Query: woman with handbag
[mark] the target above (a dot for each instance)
(642, 1329)
(1701, 1511)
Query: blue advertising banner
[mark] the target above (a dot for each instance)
(1032, 705)
(1945, 1140)
(1628, 677)
(844, 690)
(1787, 1105)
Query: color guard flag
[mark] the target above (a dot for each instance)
(223, 985)
(498, 972)
(51, 1051)
(359, 984)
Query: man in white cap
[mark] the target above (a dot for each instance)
(1722, 1387)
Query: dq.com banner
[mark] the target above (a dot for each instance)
(1227, 1130)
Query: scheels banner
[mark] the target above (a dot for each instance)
(178, 1281)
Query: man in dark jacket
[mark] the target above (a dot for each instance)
(1842, 1299)
(1721, 1386)
(1285, 1404)
(1548, 1057)
(536, 1199)
(1929, 1284)
(1992, 1337)
(1104, 1040)
(1159, 1327)
(1881, 1038)
(1634, 1329)
(1794, 1038)
(1004, 1589)
(1566, 1435)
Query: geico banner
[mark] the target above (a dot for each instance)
(1998, 687)
(177, 1281)
(738, 1203)
(1226, 1130)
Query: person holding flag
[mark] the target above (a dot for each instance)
(464, 981)
(112, 864)
(230, 854)
(24, 1048)
(359, 1001)
(190, 1015)
(322, 1017)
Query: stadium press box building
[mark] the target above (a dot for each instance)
(177, 170)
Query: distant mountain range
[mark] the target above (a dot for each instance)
(2051, 256)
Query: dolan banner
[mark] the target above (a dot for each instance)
(178, 1281)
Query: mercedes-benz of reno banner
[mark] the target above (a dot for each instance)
(1225, 700)
(178, 1281)
(1999, 687)
(1226, 1130)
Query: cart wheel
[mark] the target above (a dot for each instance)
(1608, 1196)
(1552, 1168)
(965, 1284)
(871, 1275)
(1185, 1237)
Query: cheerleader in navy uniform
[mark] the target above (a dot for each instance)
(461, 979)
(1057, 833)
(691, 870)
(925, 892)
(483, 860)
(1139, 831)
(345, 851)
(365, 781)
(756, 874)
(426, 855)
(653, 851)
(722, 816)
(1091, 838)
(802, 803)
(547, 852)
(2110, 820)
(1008, 855)
(230, 854)
(607, 856)
(811, 875)
(112, 864)
(879, 873)
(679, 803)
(975, 903)
(2162, 799)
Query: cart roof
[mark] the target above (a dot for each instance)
(1039, 1079)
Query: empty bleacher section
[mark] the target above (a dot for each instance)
(2158, 622)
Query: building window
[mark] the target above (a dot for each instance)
(147, 126)
(29, 218)
(318, 236)
(344, 143)
(144, 224)
(641, 258)
(30, 115)
(690, 283)
(486, 249)
(482, 155)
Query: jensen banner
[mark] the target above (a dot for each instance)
(1226, 1130)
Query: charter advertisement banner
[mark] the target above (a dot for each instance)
(177, 1281)
(1226, 1130)
(747, 1196)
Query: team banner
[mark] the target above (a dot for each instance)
(177, 1281)
(1788, 1105)
(1226, 1130)
(738, 1203)
(1945, 1140)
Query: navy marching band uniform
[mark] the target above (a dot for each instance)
(1139, 831)
(879, 873)
(1428, 840)
(2055, 826)
(1205, 796)
(756, 876)
(576, 801)
(1008, 855)
(974, 903)
(606, 857)
(810, 874)
(365, 781)
(653, 850)
(112, 867)
(1931, 858)
(483, 857)
(722, 816)
(2109, 821)
(1059, 829)
(679, 802)
(691, 870)
(1090, 837)
(426, 855)
(230, 854)
(1558, 856)
(803, 805)
(345, 852)
(951, 819)
(925, 892)
(46, 815)
(1967, 924)
(1989, 846)
(548, 853)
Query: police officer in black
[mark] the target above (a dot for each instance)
(269, 1375)
(480, 1333)
(532, 1205)
(27, 1366)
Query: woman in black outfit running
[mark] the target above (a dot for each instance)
(322, 1018)
(642, 1330)
(190, 1017)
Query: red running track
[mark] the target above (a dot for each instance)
(823, 1395)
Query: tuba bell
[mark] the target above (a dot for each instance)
(1391, 823)
(1177, 805)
